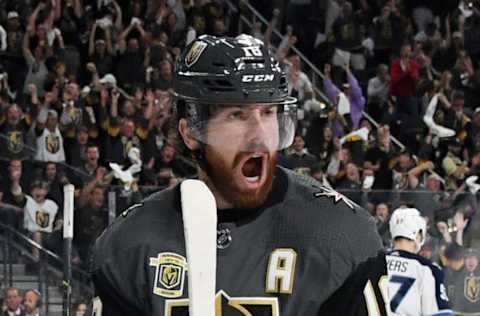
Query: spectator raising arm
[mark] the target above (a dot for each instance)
(93, 70)
(416, 172)
(48, 23)
(27, 53)
(87, 190)
(3, 39)
(119, 16)
(357, 101)
(108, 41)
(91, 40)
(329, 87)
(33, 18)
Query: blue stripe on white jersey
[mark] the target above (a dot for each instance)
(416, 285)
(444, 313)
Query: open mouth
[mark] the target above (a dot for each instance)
(253, 167)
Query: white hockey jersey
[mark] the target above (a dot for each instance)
(415, 286)
(50, 146)
(39, 217)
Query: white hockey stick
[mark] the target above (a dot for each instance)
(200, 228)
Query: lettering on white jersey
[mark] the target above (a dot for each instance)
(415, 285)
(394, 265)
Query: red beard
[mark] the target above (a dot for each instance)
(222, 177)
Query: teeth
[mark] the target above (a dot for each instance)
(253, 179)
(256, 155)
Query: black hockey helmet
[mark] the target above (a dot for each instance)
(226, 71)
(230, 70)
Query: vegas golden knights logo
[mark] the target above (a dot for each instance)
(15, 142)
(169, 274)
(52, 143)
(42, 219)
(472, 288)
(76, 115)
(194, 53)
(226, 305)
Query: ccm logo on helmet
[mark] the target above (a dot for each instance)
(257, 78)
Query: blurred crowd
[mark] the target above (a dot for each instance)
(28, 303)
(85, 98)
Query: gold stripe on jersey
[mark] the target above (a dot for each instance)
(242, 304)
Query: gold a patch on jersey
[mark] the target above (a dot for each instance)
(169, 274)
(226, 305)
(471, 288)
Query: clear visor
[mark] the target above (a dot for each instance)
(246, 128)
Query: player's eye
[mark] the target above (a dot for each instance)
(269, 111)
(237, 115)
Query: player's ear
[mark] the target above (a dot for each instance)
(188, 138)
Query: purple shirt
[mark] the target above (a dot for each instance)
(357, 101)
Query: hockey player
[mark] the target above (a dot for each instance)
(415, 283)
(286, 245)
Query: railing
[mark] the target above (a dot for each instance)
(48, 260)
(313, 72)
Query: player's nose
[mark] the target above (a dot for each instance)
(256, 124)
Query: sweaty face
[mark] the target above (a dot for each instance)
(241, 153)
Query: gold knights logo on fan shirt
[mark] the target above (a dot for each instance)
(42, 218)
(52, 143)
(472, 288)
(15, 142)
